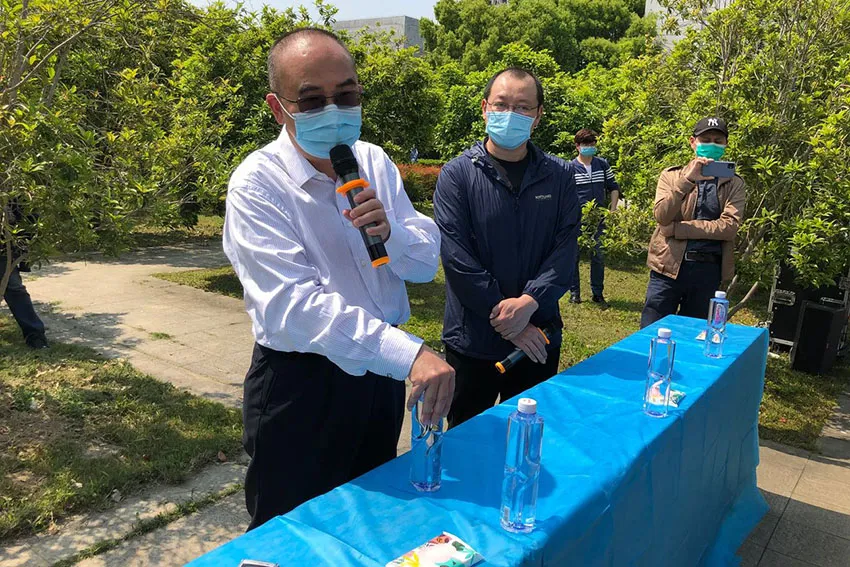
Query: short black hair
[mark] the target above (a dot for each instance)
(518, 73)
(585, 136)
(288, 38)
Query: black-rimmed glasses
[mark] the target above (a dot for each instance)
(503, 107)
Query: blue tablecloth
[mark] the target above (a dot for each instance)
(617, 487)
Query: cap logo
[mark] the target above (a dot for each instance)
(713, 122)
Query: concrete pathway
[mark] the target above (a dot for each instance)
(210, 527)
(114, 306)
(809, 496)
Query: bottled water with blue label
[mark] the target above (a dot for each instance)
(662, 352)
(522, 468)
(715, 331)
(426, 448)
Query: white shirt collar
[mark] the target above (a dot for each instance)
(300, 170)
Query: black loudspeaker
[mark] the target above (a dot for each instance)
(818, 336)
(786, 303)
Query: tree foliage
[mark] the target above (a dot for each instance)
(471, 32)
(779, 72)
(120, 112)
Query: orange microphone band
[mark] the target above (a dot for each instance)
(353, 184)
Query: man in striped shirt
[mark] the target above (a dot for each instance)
(594, 181)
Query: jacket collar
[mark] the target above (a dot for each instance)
(538, 163)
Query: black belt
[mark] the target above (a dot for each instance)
(703, 258)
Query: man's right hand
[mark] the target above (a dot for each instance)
(532, 342)
(693, 171)
(436, 378)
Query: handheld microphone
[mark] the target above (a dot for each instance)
(345, 165)
(517, 355)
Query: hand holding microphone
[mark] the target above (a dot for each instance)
(531, 342)
(367, 213)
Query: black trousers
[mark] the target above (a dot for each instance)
(310, 427)
(20, 304)
(689, 294)
(478, 383)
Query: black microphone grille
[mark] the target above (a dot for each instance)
(343, 160)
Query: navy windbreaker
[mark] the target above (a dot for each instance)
(499, 243)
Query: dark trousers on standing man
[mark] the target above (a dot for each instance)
(310, 427)
(597, 268)
(20, 304)
(478, 383)
(689, 293)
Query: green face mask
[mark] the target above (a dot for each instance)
(710, 151)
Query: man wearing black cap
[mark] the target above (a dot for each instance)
(693, 247)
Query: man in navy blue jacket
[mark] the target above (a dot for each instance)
(594, 182)
(509, 219)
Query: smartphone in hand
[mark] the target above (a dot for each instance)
(719, 169)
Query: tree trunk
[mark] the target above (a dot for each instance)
(7, 255)
(732, 285)
(17, 66)
(60, 63)
(740, 304)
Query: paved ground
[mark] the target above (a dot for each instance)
(198, 533)
(809, 496)
(115, 305)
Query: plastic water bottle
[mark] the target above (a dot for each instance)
(522, 468)
(662, 351)
(715, 331)
(426, 448)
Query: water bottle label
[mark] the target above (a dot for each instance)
(719, 314)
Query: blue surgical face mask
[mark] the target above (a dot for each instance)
(587, 151)
(509, 130)
(319, 131)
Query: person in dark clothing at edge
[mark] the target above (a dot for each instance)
(16, 295)
(509, 218)
(693, 247)
(594, 182)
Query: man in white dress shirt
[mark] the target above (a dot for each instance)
(324, 397)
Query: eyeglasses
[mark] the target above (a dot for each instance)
(521, 108)
(317, 102)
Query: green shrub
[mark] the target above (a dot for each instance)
(419, 181)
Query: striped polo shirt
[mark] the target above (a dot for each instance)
(596, 184)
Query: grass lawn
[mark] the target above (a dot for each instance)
(208, 227)
(75, 427)
(795, 405)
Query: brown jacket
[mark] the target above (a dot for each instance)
(675, 203)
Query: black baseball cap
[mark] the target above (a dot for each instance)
(711, 123)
